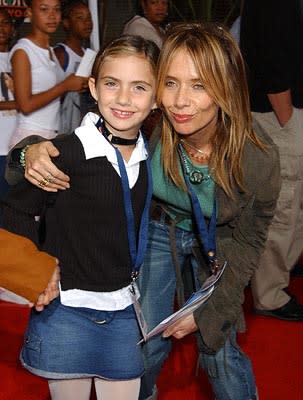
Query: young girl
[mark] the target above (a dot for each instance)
(7, 104)
(77, 23)
(38, 78)
(149, 21)
(92, 330)
(7, 112)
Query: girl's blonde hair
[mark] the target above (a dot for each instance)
(127, 45)
(219, 63)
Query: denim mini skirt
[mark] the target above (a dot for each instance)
(64, 342)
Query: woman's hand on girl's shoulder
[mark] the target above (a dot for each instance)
(41, 171)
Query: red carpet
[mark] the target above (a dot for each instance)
(275, 347)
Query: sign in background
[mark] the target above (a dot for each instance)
(16, 9)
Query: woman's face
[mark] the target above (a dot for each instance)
(45, 15)
(188, 106)
(155, 10)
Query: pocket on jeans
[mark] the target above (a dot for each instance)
(31, 349)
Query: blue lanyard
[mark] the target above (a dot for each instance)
(136, 252)
(207, 235)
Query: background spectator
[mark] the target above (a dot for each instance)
(78, 25)
(271, 42)
(37, 75)
(7, 104)
(148, 23)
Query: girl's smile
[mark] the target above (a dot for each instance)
(125, 93)
(122, 114)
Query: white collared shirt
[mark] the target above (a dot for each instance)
(95, 145)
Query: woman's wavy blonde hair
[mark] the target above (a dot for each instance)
(219, 63)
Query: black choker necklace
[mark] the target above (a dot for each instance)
(123, 141)
(115, 139)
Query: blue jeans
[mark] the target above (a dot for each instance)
(229, 370)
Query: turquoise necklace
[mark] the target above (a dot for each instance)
(195, 175)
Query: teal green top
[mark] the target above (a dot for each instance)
(176, 200)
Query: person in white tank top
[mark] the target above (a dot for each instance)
(38, 79)
(78, 25)
(7, 103)
(7, 116)
(149, 21)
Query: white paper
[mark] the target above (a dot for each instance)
(85, 66)
(94, 37)
(195, 301)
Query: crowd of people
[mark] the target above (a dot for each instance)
(218, 182)
(42, 79)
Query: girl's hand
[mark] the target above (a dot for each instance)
(75, 83)
(50, 293)
(181, 328)
(40, 170)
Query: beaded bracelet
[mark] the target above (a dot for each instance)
(22, 156)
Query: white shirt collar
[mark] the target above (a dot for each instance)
(95, 145)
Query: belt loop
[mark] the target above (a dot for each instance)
(158, 213)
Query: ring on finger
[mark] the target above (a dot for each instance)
(43, 183)
(50, 178)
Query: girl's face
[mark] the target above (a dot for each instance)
(125, 92)
(155, 10)
(6, 28)
(45, 15)
(188, 107)
(79, 23)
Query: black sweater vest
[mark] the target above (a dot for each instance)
(86, 227)
(93, 224)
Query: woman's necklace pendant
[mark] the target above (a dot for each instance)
(196, 177)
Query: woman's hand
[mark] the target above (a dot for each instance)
(181, 328)
(40, 170)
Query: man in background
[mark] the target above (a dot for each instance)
(271, 40)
